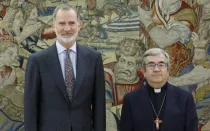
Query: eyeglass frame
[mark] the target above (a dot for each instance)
(156, 64)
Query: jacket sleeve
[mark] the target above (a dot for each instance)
(191, 123)
(31, 95)
(126, 117)
(98, 107)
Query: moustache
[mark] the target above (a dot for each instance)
(67, 33)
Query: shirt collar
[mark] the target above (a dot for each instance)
(60, 48)
(151, 89)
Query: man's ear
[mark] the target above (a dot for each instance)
(142, 70)
(53, 27)
(169, 68)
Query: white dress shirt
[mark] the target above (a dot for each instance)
(62, 57)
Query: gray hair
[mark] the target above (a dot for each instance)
(154, 52)
(64, 7)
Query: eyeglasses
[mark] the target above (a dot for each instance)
(152, 66)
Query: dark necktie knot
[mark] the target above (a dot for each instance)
(67, 52)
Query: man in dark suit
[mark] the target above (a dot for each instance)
(158, 105)
(64, 84)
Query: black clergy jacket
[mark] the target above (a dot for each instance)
(179, 112)
(158, 100)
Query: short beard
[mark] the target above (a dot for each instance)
(66, 40)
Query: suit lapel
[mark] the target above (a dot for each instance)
(53, 65)
(170, 107)
(82, 66)
(148, 112)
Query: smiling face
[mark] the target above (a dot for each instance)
(66, 26)
(156, 77)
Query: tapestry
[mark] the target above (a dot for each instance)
(121, 30)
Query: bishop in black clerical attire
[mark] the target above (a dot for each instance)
(157, 105)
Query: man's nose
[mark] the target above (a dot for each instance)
(156, 68)
(67, 28)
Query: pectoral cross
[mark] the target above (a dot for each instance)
(157, 122)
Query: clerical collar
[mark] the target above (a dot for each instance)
(157, 90)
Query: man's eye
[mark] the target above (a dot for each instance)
(161, 64)
(71, 23)
(61, 23)
(151, 65)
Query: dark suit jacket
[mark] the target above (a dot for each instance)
(179, 115)
(46, 103)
